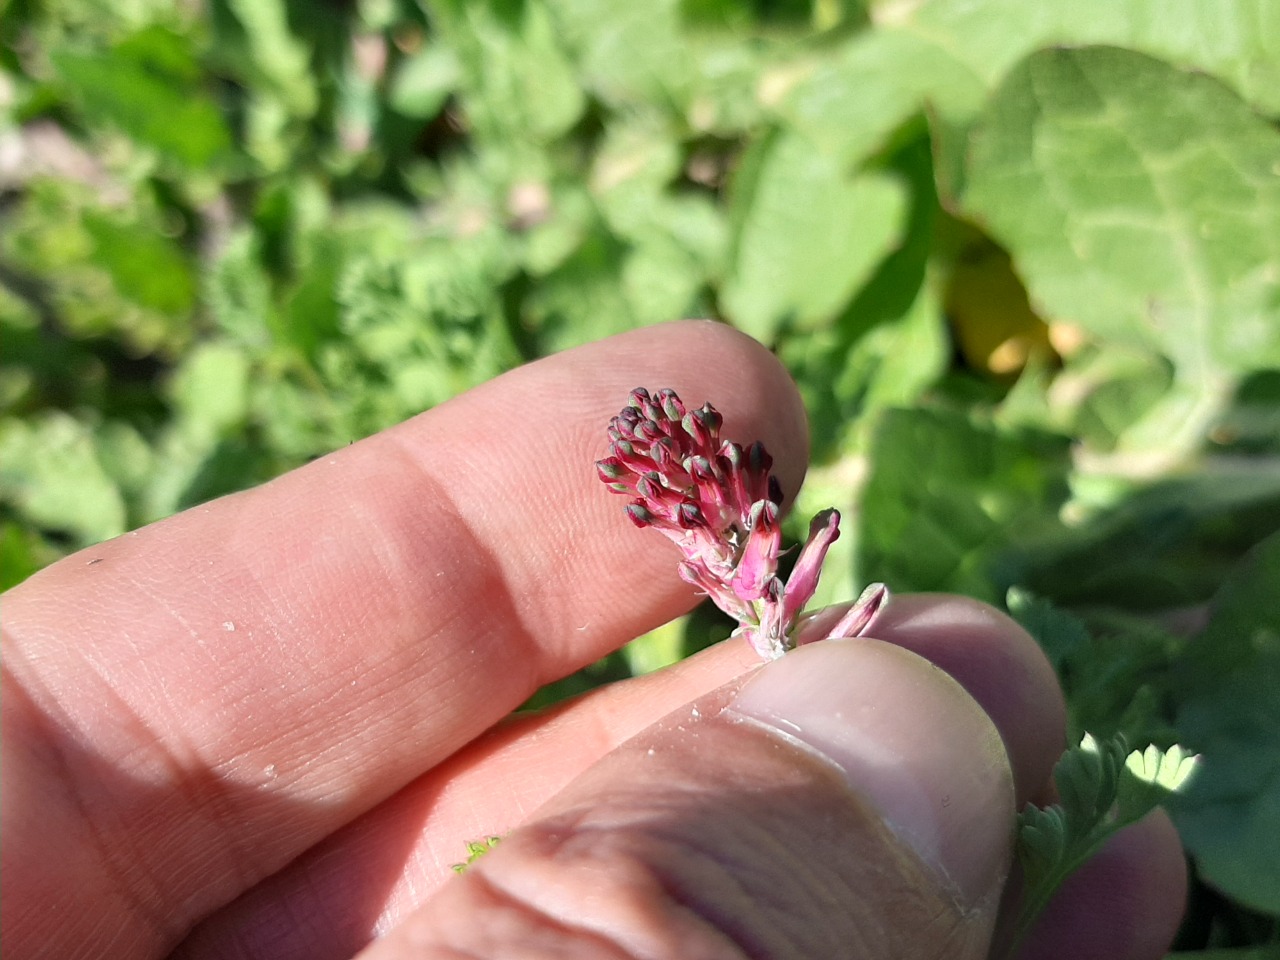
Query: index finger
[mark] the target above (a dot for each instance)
(232, 684)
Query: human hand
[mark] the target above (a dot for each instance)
(258, 728)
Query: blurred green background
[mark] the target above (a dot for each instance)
(1023, 260)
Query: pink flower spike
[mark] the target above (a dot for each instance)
(718, 502)
(824, 530)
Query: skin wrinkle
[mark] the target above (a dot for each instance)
(595, 729)
(563, 575)
(1007, 688)
(755, 839)
(207, 802)
(730, 869)
(499, 613)
(512, 622)
(660, 845)
(452, 832)
(178, 718)
(38, 720)
(574, 934)
(574, 505)
(677, 895)
(657, 842)
(302, 918)
(277, 935)
(635, 918)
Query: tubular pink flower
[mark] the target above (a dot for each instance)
(758, 563)
(718, 502)
(858, 617)
(824, 530)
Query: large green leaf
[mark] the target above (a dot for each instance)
(424, 81)
(1119, 221)
(1083, 167)
(146, 267)
(850, 103)
(1159, 544)
(149, 87)
(677, 240)
(810, 233)
(890, 343)
(632, 167)
(1235, 40)
(21, 553)
(949, 502)
(1230, 711)
(99, 271)
(211, 388)
(51, 474)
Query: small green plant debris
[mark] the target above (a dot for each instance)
(475, 850)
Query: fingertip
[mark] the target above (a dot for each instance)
(1000, 666)
(1123, 904)
(907, 738)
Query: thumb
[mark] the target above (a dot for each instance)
(847, 800)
